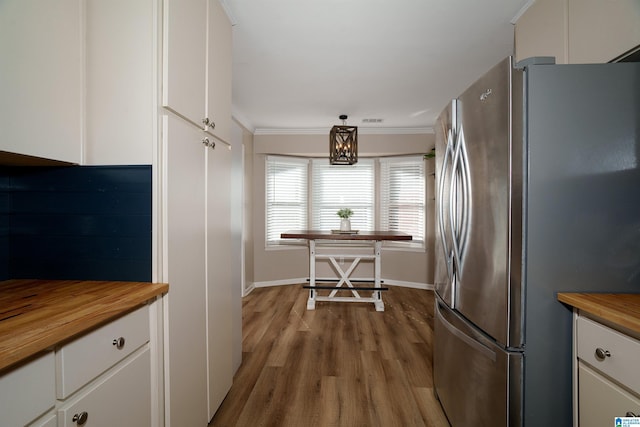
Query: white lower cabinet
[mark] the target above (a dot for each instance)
(122, 397)
(602, 399)
(608, 378)
(48, 420)
(27, 391)
(102, 378)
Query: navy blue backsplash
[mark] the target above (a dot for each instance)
(78, 222)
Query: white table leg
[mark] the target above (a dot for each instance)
(377, 295)
(311, 302)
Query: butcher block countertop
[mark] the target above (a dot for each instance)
(36, 315)
(620, 309)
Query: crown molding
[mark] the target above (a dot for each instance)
(521, 12)
(361, 131)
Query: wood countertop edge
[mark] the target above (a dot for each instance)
(361, 235)
(620, 309)
(28, 340)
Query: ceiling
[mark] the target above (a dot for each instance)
(299, 64)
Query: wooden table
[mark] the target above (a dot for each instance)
(371, 237)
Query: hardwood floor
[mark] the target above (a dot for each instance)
(342, 364)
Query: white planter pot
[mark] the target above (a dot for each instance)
(345, 224)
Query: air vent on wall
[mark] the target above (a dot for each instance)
(372, 120)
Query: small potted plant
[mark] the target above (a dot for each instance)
(345, 222)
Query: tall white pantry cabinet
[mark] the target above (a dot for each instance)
(142, 82)
(196, 169)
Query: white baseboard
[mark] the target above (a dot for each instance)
(415, 285)
(248, 289)
(283, 282)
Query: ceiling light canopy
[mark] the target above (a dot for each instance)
(343, 143)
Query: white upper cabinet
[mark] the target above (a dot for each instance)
(183, 58)
(41, 99)
(578, 31)
(121, 81)
(196, 63)
(218, 71)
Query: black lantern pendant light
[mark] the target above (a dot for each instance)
(343, 144)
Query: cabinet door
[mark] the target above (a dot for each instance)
(120, 81)
(219, 306)
(184, 54)
(600, 31)
(41, 78)
(120, 398)
(600, 400)
(28, 391)
(218, 71)
(184, 263)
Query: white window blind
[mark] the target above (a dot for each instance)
(339, 186)
(402, 196)
(286, 194)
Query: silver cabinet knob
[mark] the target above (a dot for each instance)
(212, 145)
(119, 343)
(80, 418)
(209, 123)
(205, 142)
(602, 354)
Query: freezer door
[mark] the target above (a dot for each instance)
(444, 274)
(488, 290)
(477, 382)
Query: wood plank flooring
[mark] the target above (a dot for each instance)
(342, 364)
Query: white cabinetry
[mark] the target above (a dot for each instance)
(41, 79)
(608, 378)
(198, 268)
(185, 270)
(79, 80)
(197, 64)
(121, 71)
(196, 169)
(578, 31)
(28, 391)
(121, 397)
(103, 378)
(219, 304)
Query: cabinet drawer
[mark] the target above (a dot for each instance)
(28, 391)
(121, 398)
(621, 363)
(83, 359)
(600, 400)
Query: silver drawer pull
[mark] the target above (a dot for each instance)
(602, 354)
(119, 343)
(80, 418)
(631, 414)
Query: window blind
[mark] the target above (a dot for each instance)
(402, 196)
(338, 186)
(286, 196)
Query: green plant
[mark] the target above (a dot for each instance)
(344, 213)
(431, 154)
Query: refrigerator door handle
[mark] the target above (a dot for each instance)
(478, 346)
(465, 176)
(461, 196)
(448, 255)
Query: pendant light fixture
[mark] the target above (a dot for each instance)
(343, 143)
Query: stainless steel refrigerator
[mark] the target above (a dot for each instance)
(537, 191)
